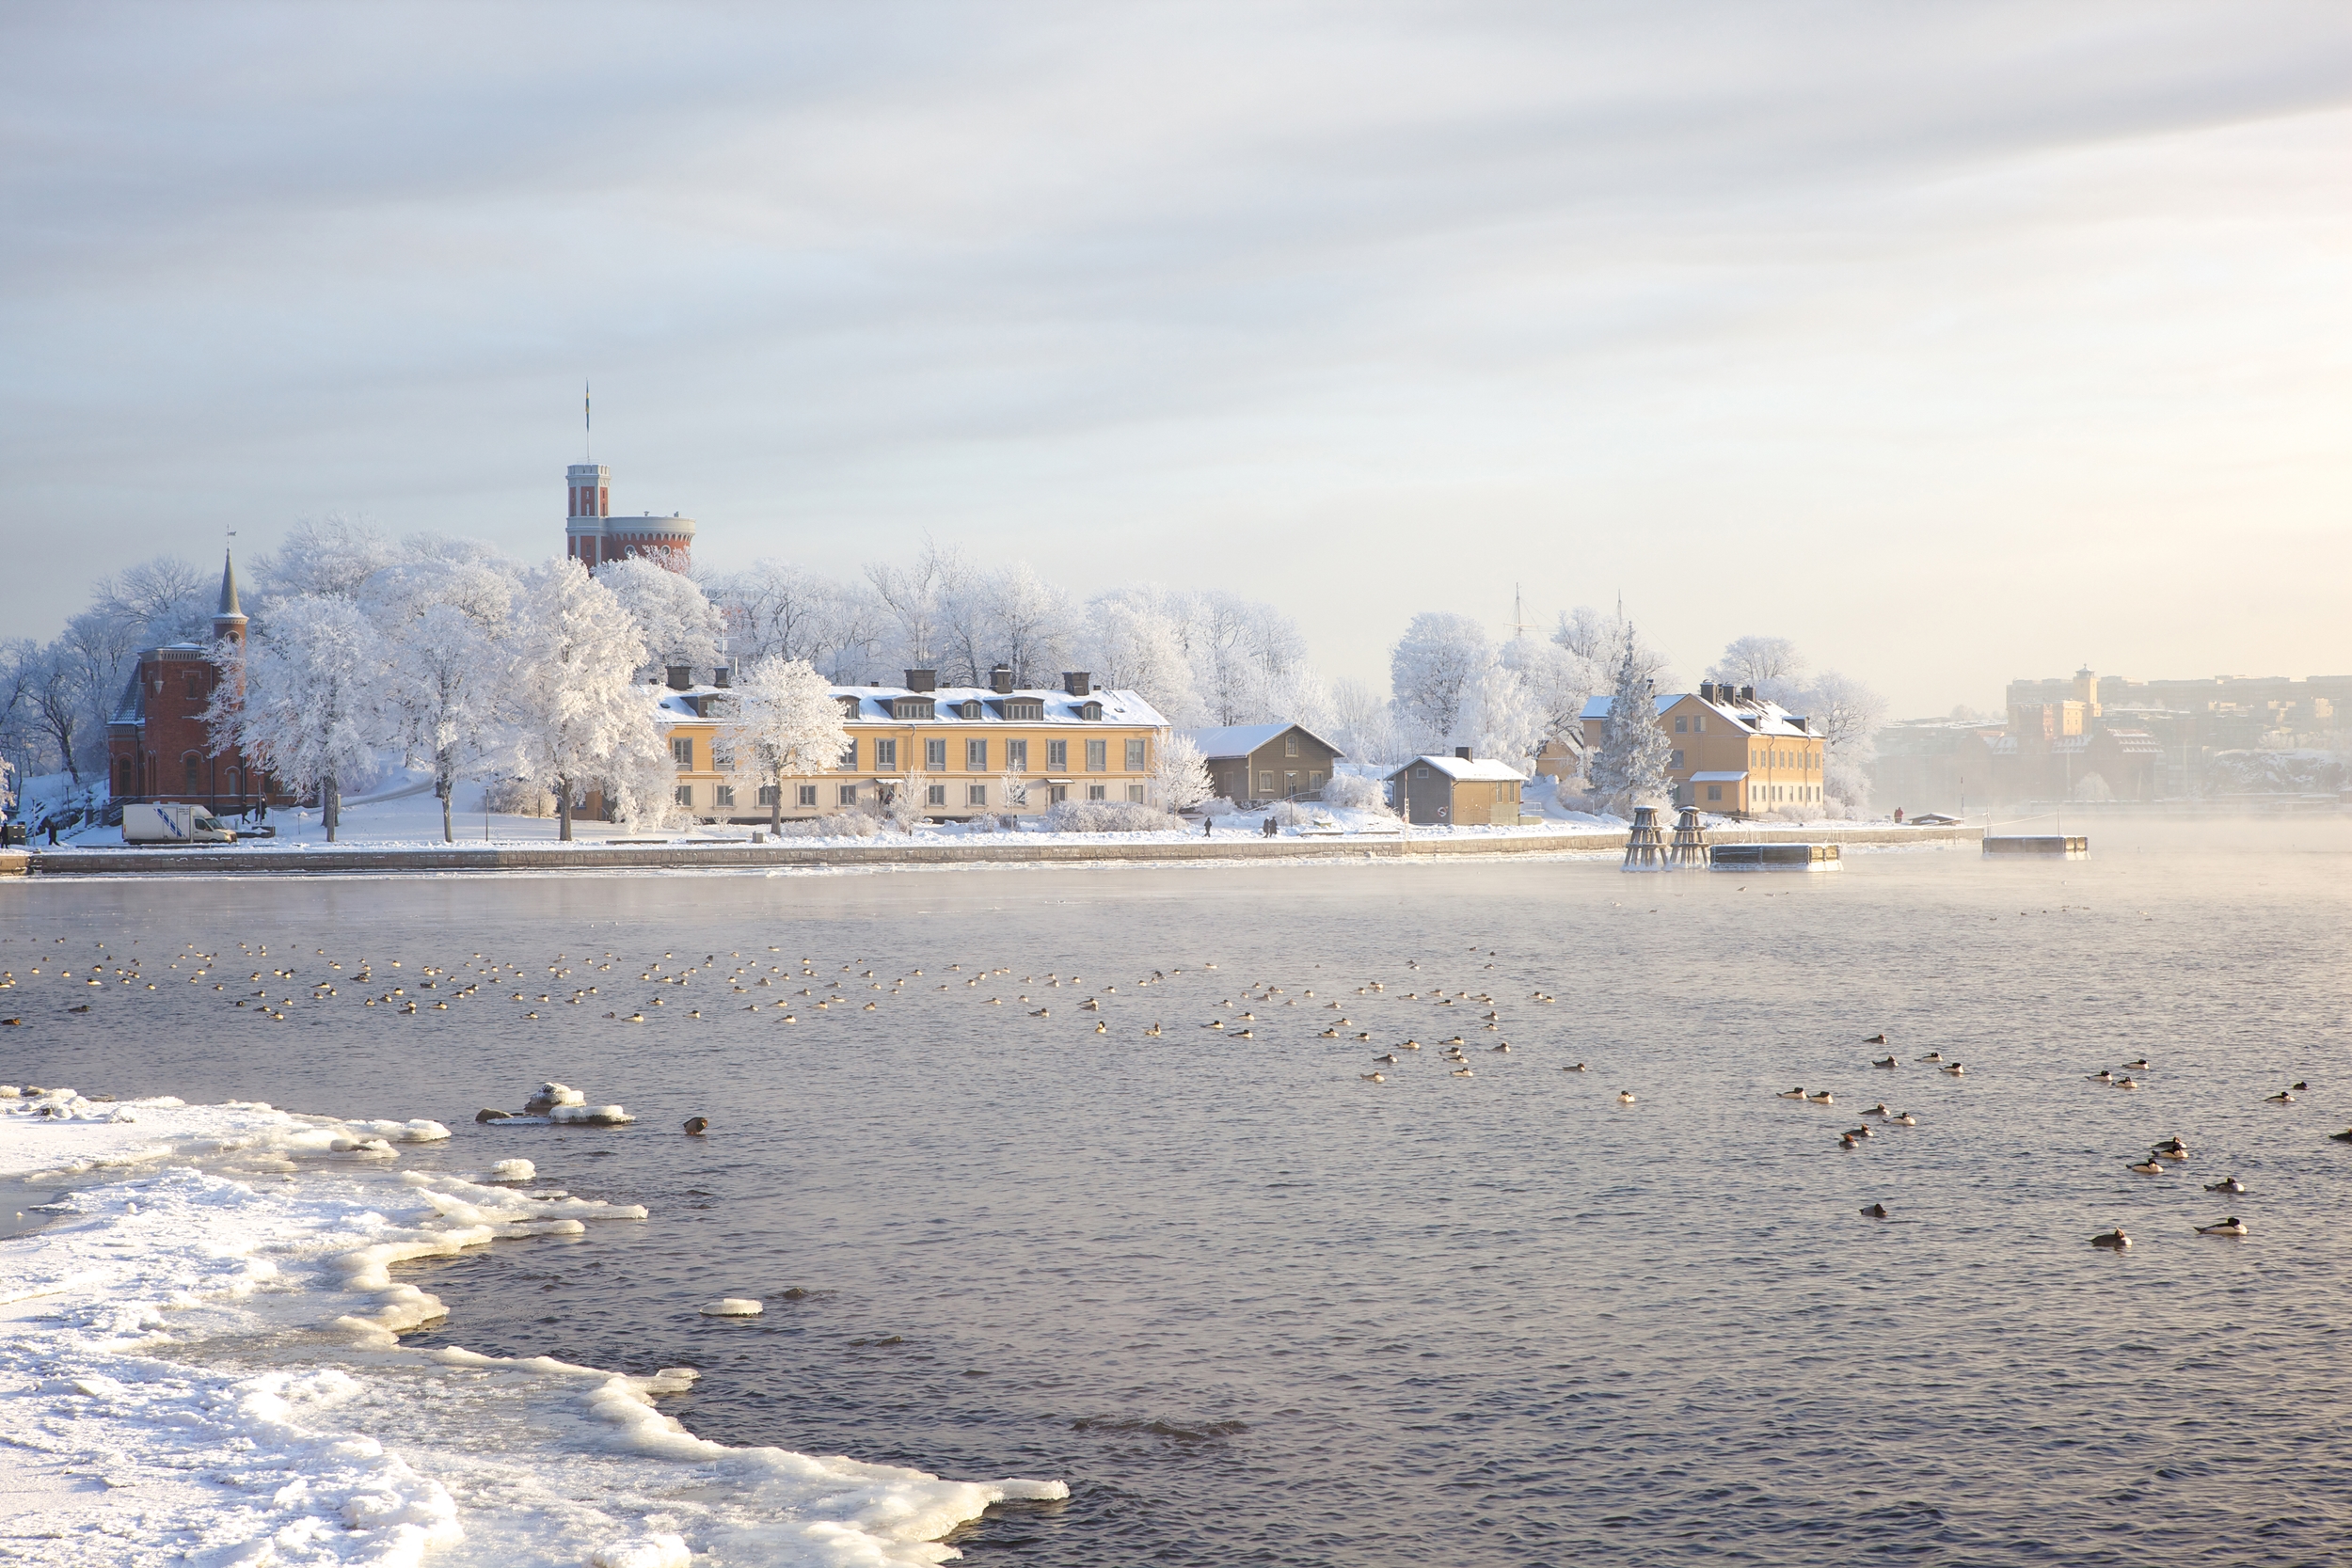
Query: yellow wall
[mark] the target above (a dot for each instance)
(1115, 778)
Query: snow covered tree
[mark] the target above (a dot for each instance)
(1182, 779)
(1499, 718)
(1846, 715)
(674, 616)
(1432, 672)
(303, 706)
(324, 558)
(1633, 760)
(1600, 641)
(910, 799)
(1012, 789)
(444, 691)
(1134, 645)
(1772, 665)
(783, 713)
(579, 717)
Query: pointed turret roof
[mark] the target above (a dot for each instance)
(228, 610)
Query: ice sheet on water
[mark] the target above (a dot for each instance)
(200, 1365)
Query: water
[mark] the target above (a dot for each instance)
(1256, 1309)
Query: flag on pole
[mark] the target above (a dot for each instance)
(587, 414)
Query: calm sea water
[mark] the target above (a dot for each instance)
(1257, 1309)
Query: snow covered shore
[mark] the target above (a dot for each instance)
(201, 1363)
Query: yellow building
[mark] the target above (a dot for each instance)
(1731, 753)
(972, 750)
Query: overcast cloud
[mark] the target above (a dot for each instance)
(1957, 342)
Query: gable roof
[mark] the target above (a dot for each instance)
(1758, 718)
(1468, 769)
(1238, 740)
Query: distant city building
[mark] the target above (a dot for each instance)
(592, 535)
(1459, 791)
(1733, 752)
(2089, 737)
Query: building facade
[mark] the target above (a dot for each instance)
(1732, 753)
(1253, 764)
(1459, 791)
(972, 750)
(592, 535)
(158, 747)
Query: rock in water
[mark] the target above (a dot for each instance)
(551, 1096)
(731, 1306)
(512, 1170)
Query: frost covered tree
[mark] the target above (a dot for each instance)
(1559, 683)
(1600, 641)
(783, 713)
(1433, 671)
(1500, 717)
(445, 682)
(1846, 715)
(913, 596)
(910, 799)
(1632, 761)
(1135, 646)
(302, 701)
(1772, 665)
(579, 719)
(674, 616)
(1363, 724)
(1181, 781)
(326, 558)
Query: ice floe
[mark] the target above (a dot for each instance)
(200, 1361)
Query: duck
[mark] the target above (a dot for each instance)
(697, 1126)
(1154, 1031)
(2138, 1064)
(1463, 1071)
(1100, 1027)
(1858, 1133)
(2150, 1166)
(1847, 1140)
(1876, 1039)
(2299, 1086)
(1797, 1093)
(2343, 1137)
(1392, 1057)
(2127, 1083)
(2227, 1185)
(1625, 1097)
(1930, 1056)
(1903, 1119)
(1373, 1077)
(2284, 1096)
(2103, 1076)
(1879, 1110)
(1888, 1062)
(1410, 1045)
(1874, 1211)
(1045, 1012)
(1573, 1066)
(1328, 1035)
(2230, 1227)
(2114, 1239)
(1825, 1098)
(1955, 1070)
(1504, 1046)
(2171, 1149)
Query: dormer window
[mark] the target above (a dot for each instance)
(969, 708)
(911, 707)
(1091, 712)
(1021, 709)
(848, 707)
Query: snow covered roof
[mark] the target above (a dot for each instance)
(873, 704)
(1469, 770)
(1757, 718)
(1239, 740)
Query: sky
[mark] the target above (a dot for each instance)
(1958, 343)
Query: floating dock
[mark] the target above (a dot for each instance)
(1775, 857)
(2073, 847)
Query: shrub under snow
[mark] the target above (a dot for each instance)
(1109, 817)
(1356, 792)
(847, 824)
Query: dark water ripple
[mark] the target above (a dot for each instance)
(1258, 1311)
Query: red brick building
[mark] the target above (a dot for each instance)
(157, 745)
(592, 535)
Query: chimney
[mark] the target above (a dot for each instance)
(922, 680)
(1076, 682)
(1000, 680)
(1747, 695)
(1707, 691)
(721, 677)
(1462, 752)
(681, 676)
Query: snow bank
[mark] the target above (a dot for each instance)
(200, 1362)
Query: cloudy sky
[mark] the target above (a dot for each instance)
(1957, 342)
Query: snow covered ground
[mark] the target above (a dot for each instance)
(403, 813)
(201, 1363)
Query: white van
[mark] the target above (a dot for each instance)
(171, 822)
